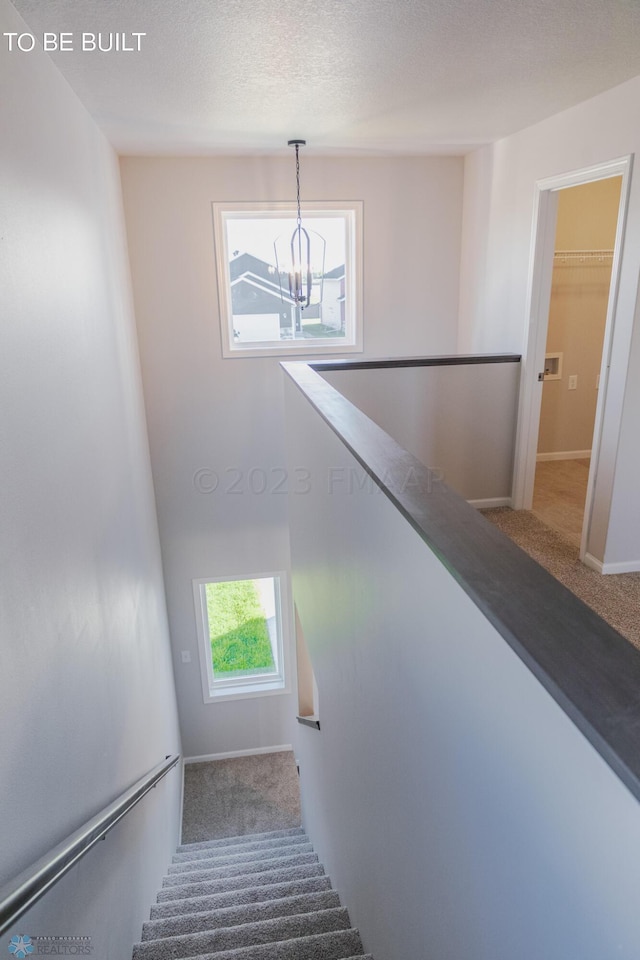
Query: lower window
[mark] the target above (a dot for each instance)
(240, 628)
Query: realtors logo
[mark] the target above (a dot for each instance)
(21, 947)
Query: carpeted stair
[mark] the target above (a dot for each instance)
(256, 897)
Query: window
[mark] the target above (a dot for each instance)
(240, 629)
(258, 315)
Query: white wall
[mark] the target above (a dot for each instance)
(458, 420)
(459, 811)
(497, 235)
(88, 703)
(207, 413)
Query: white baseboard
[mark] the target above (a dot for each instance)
(253, 752)
(625, 566)
(564, 455)
(181, 821)
(491, 502)
(593, 563)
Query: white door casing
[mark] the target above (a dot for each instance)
(611, 392)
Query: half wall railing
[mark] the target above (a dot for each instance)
(456, 413)
(586, 665)
(473, 787)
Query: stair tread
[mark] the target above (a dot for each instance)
(248, 837)
(242, 913)
(336, 945)
(238, 881)
(246, 934)
(235, 869)
(212, 863)
(243, 895)
(275, 843)
(261, 896)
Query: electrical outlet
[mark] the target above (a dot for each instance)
(573, 381)
(186, 656)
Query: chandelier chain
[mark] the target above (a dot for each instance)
(298, 184)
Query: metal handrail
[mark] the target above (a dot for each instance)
(21, 893)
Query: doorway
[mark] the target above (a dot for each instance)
(586, 224)
(608, 394)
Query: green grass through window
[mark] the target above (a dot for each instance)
(311, 329)
(238, 629)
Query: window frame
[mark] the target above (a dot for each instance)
(259, 685)
(353, 342)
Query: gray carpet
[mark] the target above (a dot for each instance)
(249, 897)
(615, 597)
(230, 798)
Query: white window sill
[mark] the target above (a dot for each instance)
(246, 691)
(293, 348)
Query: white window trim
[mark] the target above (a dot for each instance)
(241, 688)
(354, 279)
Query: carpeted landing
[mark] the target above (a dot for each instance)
(252, 897)
(227, 798)
(616, 598)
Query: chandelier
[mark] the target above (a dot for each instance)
(302, 263)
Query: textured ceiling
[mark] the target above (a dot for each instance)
(352, 76)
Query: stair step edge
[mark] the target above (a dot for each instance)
(243, 913)
(237, 869)
(168, 945)
(205, 888)
(277, 843)
(202, 863)
(261, 910)
(240, 838)
(332, 946)
(257, 893)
